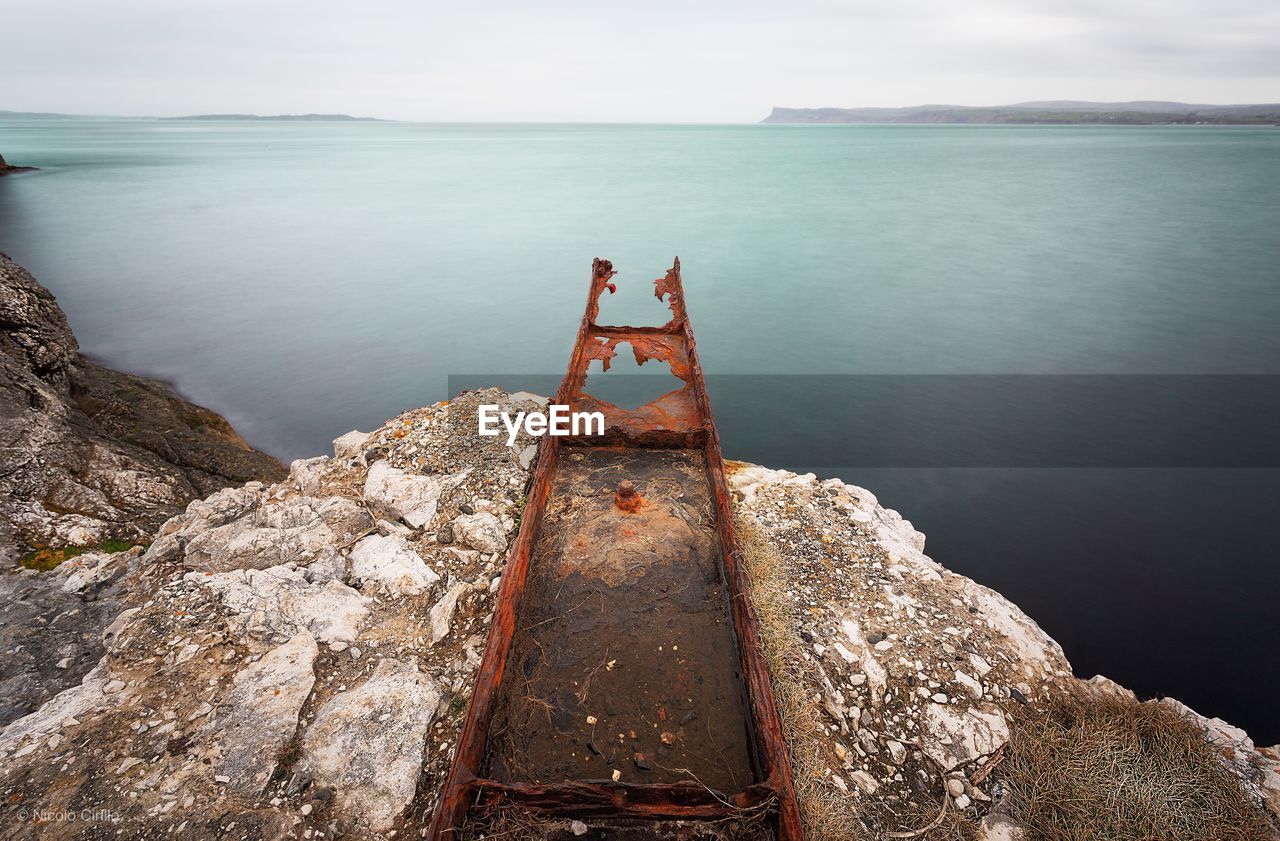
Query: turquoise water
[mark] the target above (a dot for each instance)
(309, 279)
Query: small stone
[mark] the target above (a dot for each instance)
(306, 809)
(64, 663)
(617, 775)
(939, 698)
(962, 802)
(955, 787)
(578, 828)
(591, 719)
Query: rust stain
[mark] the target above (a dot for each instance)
(679, 419)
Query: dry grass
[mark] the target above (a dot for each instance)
(1088, 768)
(828, 813)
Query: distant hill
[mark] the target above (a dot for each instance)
(281, 118)
(1060, 112)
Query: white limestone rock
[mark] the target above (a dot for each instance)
(390, 563)
(481, 531)
(261, 714)
(293, 531)
(350, 447)
(441, 614)
(367, 743)
(307, 474)
(91, 569)
(953, 737)
(409, 496)
(275, 604)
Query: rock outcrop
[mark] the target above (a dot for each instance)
(51, 627)
(6, 169)
(294, 660)
(91, 454)
(287, 657)
(911, 662)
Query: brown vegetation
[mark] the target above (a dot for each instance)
(1086, 767)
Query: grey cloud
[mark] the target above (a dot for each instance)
(662, 60)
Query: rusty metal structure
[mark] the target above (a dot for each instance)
(665, 508)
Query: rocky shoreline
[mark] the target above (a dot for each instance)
(289, 655)
(92, 454)
(293, 660)
(6, 168)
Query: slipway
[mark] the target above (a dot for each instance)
(623, 686)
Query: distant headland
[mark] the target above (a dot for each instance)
(1058, 112)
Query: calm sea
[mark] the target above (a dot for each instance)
(307, 279)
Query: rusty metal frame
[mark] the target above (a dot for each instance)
(681, 418)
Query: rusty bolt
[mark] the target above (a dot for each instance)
(626, 498)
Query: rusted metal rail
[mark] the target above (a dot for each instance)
(572, 525)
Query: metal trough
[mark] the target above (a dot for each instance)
(623, 682)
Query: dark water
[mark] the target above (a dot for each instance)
(308, 279)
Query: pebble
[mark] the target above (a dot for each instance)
(306, 809)
(955, 787)
(962, 802)
(578, 828)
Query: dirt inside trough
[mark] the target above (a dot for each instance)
(624, 664)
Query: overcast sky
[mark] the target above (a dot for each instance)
(644, 60)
